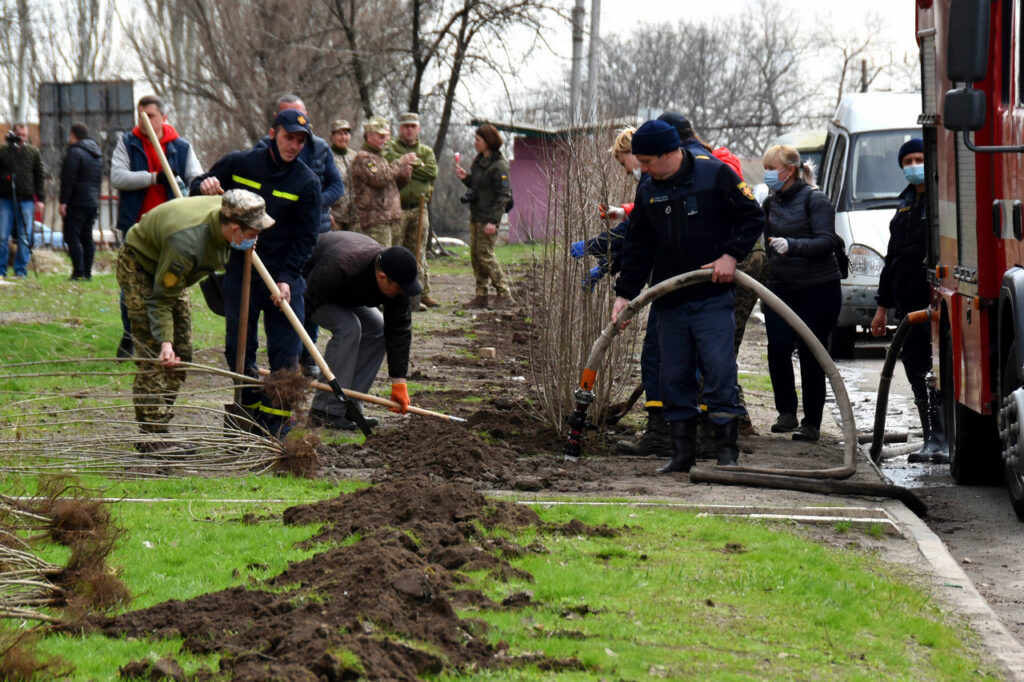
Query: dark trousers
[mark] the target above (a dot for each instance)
(283, 342)
(650, 362)
(698, 335)
(818, 307)
(78, 239)
(916, 355)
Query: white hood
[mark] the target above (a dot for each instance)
(870, 228)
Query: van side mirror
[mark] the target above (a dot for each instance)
(963, 110)
(967, 40)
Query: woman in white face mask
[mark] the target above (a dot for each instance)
(803, 272)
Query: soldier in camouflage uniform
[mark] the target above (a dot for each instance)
(343, 211)
(375, 185)
(415, 224)
(171, 248)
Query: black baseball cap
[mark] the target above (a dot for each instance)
(399, 265)
(292, 120)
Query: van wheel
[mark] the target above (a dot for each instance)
(841, 342)
(974, 446)
(1014, 479)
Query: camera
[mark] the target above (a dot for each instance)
(12, 138)
(469, 197)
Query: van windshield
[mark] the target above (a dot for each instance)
(876, 178)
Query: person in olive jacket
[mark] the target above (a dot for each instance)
(803, 272)
(488, 196)
(80, 178)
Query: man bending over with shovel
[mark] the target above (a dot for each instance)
(348, 276)
(171, 248)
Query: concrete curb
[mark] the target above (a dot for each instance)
(953, 585)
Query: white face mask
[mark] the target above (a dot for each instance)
(637, 174)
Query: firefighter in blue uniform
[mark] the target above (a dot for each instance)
(691, 214)
(903, 285)
(292, 194)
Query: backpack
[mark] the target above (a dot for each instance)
(838, 244)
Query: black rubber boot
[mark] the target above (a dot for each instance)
(727, 451)
(684, 446)
(935, 449)
(654, 441)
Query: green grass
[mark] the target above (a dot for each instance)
(682, 597)
(755, 382)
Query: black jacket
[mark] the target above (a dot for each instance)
(292, 194)
(25, 163)
(902, 283)
(342, 272)
(804, 217)
(81, 175)
(686, 221)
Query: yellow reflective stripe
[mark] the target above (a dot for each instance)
(253, 406)
(654, 403)
(285, 195)
(271, 410)
(246, 181)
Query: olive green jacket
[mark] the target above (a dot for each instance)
(423, 174)
(488, 177)
(178, 242)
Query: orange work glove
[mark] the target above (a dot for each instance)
(400, 395)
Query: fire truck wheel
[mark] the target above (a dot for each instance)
(974, 447)
(1014, 479)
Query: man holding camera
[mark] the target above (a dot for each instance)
(21, 195)
(375, 184)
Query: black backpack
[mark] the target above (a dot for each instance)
(838, 245)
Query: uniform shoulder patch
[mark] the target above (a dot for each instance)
(170, 279)
(703, 156)
(747, 192)
(371, 166)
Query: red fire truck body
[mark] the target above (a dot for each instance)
(973, 127)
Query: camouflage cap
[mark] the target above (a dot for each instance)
(246, 208)
(409, 117)
(377, 124)
(340, 124)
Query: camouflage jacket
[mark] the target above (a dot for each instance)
(423, 174)
(344, 208)
(375, 185)
(179, 242)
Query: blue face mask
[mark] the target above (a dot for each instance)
(914, 174)
(771, 178)
(636, 174)
(245, 245)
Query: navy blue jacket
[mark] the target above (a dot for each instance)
(130, 202)
(316, 154)
(902, 283)
(292, 194)
(81, 174)
(685, 221)
(804, 217)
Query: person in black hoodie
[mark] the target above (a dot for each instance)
(803, 272)
(80, 178)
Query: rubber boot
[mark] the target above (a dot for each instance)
(935, 449)
(684, 446)
(727, 451)
(656, 440)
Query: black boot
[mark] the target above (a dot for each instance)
(654, 441)
(934, 449)
(125, 347)
(726, 450)
(684, 446)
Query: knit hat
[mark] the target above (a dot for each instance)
(399, 265)
(655, 138)
(677, 121)
(914, 144)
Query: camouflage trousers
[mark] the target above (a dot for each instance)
(155, 389)
(755, 265)
(486, 268)
(387, 234)
(410, 227)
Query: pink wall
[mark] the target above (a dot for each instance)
(530, 170)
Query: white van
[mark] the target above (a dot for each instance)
(862, 178)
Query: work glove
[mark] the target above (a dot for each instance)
(591, 278)
(577, 249)
(779, 245)
(400, 395)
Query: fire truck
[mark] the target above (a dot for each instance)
(972, 68)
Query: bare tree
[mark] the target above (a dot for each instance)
(77, 40)
(17, 56)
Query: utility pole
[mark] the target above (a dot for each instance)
(593, 61)
(576, 77)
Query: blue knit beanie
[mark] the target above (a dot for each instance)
(655, 138)
(912, 145)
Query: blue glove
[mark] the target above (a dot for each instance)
(577, 249)
(591, 278)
